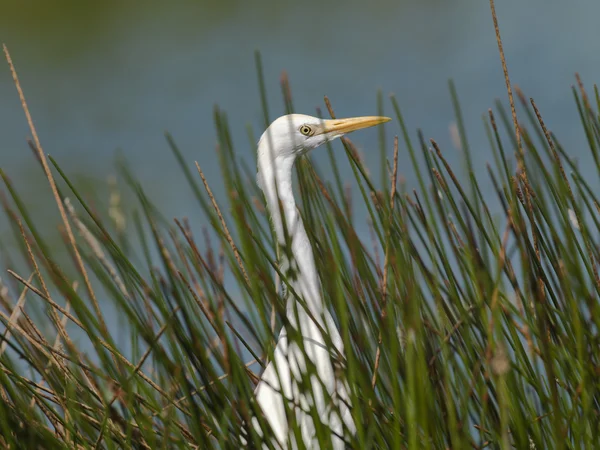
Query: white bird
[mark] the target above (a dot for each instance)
(284, 140)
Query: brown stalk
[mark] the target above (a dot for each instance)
(198, 294)
(187, 234)
(494, 302)
(558, 426)
(94, 245)
(14, 316)
(182, 257)
(566, 180)
(329, 107)
(142, 360)
(508, 86)
(41, 346)
(457, 237)
(446, 166)
(57, 322)
(54, 189)
(375, 245)
(285, 87)
(63, 323)
(202, 388)
(586, 100)
(448, 336)
(80, 325)
(47, 299)
(223, 224)
(386, 262)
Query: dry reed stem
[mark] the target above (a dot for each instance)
(523, 175)
(448, 336)
(41, 346)
(508, 86)
(455, 234)
(24, 380)
(14, 316)
(54, 189)
(520, 154)
(223, 224)
(566, 180)
(47, 299)
(386, 262)
(495, 294)
(375, 245)
(62, 368)
(285, 86)
(56, 346)
(202, 388)
(447, 166)
(142, 360)
(57, 322)
(100, 341)
(202, 305)
(184, 259)
(185, 230)
(200, 298)
(96, 248)
(32, 258)
(210, 253)
(586, 100)
(199, 295)
(142, 374)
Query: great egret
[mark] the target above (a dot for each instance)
(284, 140)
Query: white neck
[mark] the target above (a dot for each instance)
(276, 182)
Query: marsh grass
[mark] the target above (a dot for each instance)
(465, 325)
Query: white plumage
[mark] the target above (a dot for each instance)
(286, 138)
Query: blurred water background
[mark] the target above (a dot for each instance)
(102, 76)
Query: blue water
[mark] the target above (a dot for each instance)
(114, 76)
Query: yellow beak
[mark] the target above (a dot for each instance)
(343, 126)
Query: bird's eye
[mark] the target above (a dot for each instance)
(306, 130)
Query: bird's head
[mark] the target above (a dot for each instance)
(295, 134)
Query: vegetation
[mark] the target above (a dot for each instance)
(466, 324)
